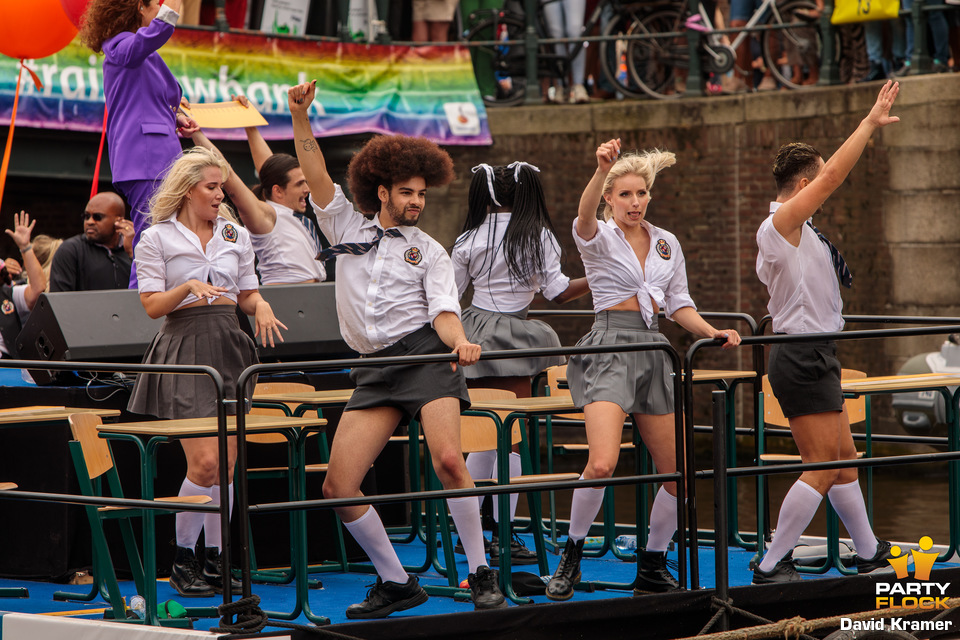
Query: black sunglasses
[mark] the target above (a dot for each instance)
(97, 217)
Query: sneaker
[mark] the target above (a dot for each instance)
(567, 574)
(652, 573)
(783, 571)
(485, 589)
(939, 67)
(211, 572)
(578, 95)
(187, 577)
(903, 71)
(459, 547)
(519, 554)
(386, 597)
(878, 563)
(767, 84)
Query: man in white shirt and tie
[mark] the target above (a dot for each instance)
(396, 296)
(802, 272)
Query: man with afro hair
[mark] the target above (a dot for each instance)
(396, 296)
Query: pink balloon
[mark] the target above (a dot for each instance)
(34, 29)
(74, 10)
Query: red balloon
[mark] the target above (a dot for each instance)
(34, 29)
(74, 10)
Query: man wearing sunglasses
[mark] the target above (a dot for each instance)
(100, 257)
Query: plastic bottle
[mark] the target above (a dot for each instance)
(138, 605)
(626, 543)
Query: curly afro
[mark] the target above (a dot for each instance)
(388, 160)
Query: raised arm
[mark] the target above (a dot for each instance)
(311, 159)
(36, 280)
(607, 154)
(790, 217)
(259, 149)
(257, 216)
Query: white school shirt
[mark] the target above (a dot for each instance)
(392, 290)
(802, 283)
(478, 257)
(614, 273)
(169, 254)
(288, 254)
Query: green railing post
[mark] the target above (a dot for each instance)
(531, 45)
(829, 69)
(220, 16)
(383, 14)
(694, 73)
(920, 61)
(343, 8)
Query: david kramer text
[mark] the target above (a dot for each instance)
(895, 624)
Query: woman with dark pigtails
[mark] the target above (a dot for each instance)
(509, 251)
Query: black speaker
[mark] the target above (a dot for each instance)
(104, 326)
(310, 313)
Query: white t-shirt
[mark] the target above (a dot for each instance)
(615, 275)
(803, 286)
(478, 257)
(169, 254)
(288, 254)
(392, 290)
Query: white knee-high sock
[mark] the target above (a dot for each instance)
(516, 469)
(663, 521)
(583, 510)
(466, 518)
(798, 508)
(482, 465)
(190, 523)
(369, 533)
(847, 501)
(211, 521)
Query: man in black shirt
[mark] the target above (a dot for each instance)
(100, 257)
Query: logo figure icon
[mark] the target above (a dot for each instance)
(922, 562)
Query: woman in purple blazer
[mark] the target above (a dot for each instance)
(142, 96)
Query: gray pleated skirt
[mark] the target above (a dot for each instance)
(197, 335)
(638, 381)
(499, 331)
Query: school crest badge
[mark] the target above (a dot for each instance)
(413, 256)
(230, 233)
(663, 249)
(7, 307)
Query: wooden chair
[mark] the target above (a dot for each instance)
(296, 480)
(97, 476)
(479, 433)
(773, 415)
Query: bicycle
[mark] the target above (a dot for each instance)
(499, 60)
(791, 45)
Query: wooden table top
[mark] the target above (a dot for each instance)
(319, 398)
(900, 383)
(206, 426)
(46, 414)
(546, 404)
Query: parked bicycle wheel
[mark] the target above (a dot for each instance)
(793, 53)
(500, 69)
(659, 64)
(614, 54)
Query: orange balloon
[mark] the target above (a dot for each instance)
(34, 29)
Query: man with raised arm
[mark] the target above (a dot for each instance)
(802, 271)
(396, 296)
(283, 234)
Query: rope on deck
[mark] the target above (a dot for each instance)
(251, 620)
(797, 627)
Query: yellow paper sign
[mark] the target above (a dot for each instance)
(225, 115)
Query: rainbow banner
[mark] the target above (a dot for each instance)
(424, 91)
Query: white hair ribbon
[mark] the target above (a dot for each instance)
(516, 168)
(489, 171)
